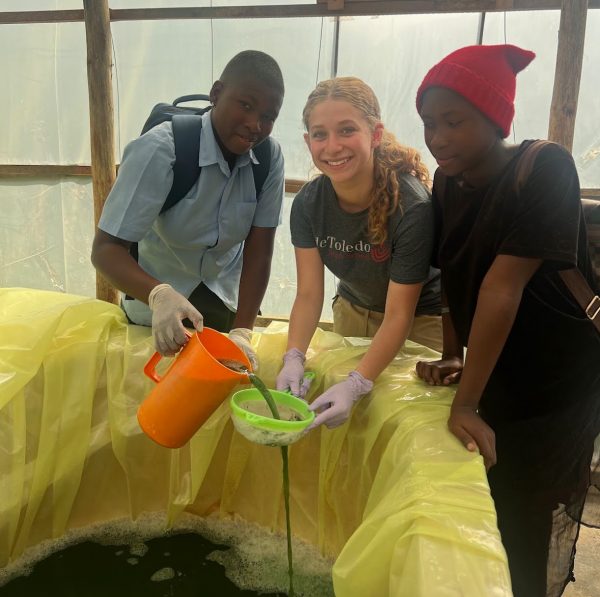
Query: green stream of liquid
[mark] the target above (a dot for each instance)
(260, 386)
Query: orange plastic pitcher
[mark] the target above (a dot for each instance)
(191, 389)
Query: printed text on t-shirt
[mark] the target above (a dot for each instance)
(359, 249)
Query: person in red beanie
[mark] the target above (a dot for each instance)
(528, 394)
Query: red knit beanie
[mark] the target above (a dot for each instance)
(484, 76)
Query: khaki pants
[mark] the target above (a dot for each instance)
(352, 320)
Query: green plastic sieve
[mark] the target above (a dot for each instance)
(253, 419)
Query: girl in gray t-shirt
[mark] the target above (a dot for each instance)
(369, 220)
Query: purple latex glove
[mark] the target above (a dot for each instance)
(291, 376)
(339, 399)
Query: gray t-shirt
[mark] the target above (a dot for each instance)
(364, 270)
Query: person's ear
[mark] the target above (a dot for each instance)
(377, 135)
(215, 91)
(307, 140)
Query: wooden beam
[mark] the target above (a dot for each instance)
(292, 185)
(43, 170)
(351, 8)
(567, 76)
(29, 17)
(99, 64)
(333, 4)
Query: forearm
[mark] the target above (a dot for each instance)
(452, 346)
(385, 345)
(494, 317)
(303, 320)
(116, 264)
(253, 285)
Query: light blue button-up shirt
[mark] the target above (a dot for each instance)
(201, 238)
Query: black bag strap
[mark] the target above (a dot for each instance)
(572, 278)
(186, 170)
(575, 281)
(260, 171)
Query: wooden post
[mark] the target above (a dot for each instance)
(99, 63)
(567, 76)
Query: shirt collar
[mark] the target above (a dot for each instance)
(210, 152)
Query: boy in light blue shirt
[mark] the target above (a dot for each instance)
(207, 259)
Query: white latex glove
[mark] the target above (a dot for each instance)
(339, 399)
(291, 376)
(241, 337)
(169, 309)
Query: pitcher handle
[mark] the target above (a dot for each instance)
(150, 367)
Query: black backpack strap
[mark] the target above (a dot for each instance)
(186, 170)
(572, 278)
(260, 171)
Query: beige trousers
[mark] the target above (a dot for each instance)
(352, 320)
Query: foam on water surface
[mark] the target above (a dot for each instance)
(163, 574)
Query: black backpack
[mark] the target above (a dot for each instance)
(187, 127)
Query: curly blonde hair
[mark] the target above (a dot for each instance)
(391, 159)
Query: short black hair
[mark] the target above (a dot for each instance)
(256, 64)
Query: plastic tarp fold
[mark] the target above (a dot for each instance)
(392, 495)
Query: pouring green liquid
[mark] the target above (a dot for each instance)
(260, 386)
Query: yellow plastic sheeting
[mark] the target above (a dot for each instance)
(393, 493)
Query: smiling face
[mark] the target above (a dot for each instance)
(459, 136)
(341, 142)
(243, 114)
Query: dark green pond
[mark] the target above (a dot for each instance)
(93, 570)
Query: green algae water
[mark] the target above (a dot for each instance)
(210, 557)
(260, 386)
(161, 567)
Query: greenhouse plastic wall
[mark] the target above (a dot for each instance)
(46, 226)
